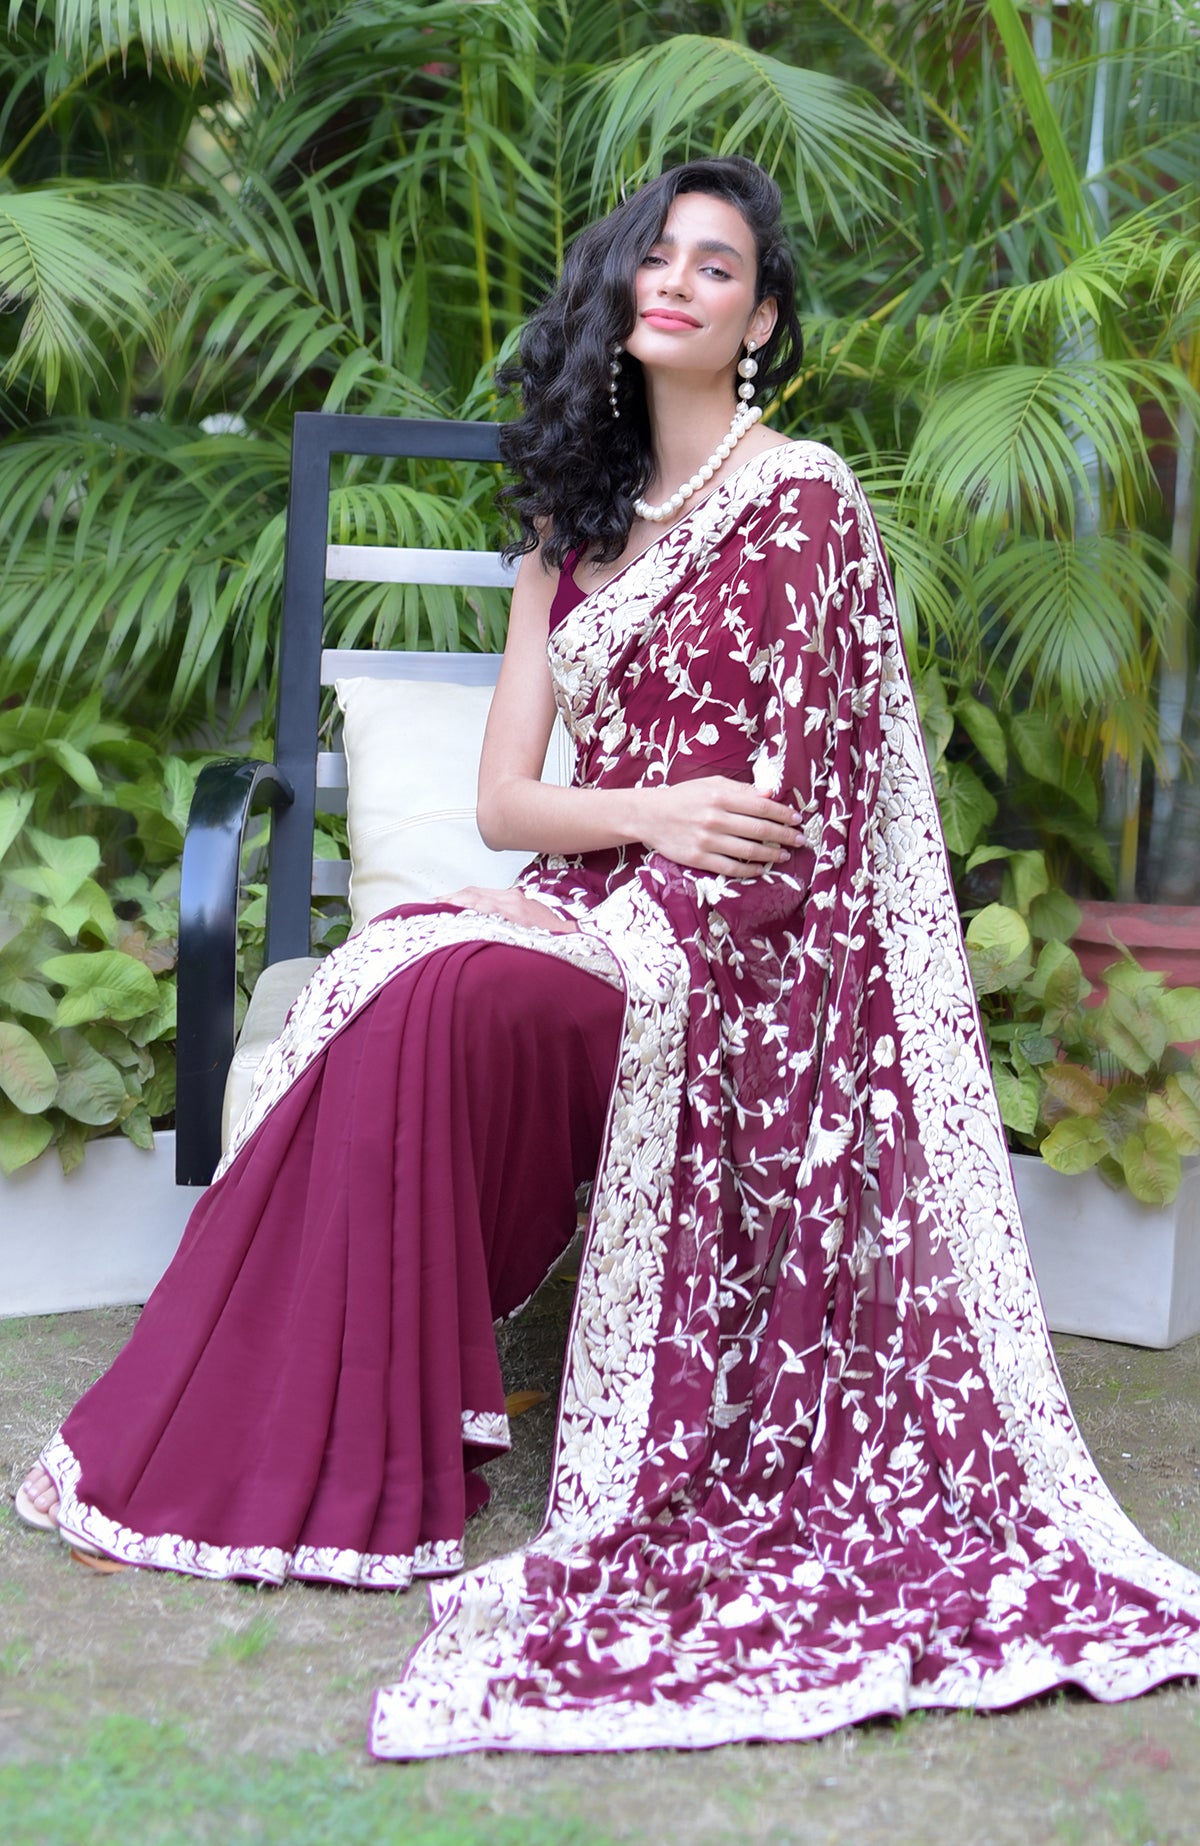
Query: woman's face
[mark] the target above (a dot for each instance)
(695, 290)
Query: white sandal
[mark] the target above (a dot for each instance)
(31, 1514)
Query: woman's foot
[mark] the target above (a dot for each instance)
(37, 1500)
(37, 1504)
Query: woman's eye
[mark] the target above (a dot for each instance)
(713, 269)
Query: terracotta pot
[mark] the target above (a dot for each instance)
(1165, 937)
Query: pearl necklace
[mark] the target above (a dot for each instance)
(744, 418)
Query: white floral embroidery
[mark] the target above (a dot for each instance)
(962, 1436)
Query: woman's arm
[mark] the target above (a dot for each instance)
(712, 824)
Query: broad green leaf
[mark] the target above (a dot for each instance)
(159, 1022)
(14, 811)
(22, 1138)
(72, 1140)
(158, 1095)
(1180, 1012)
(101, 985)
(1153, 1171)
(27, 1076)
(1054, 917)
(1127, 976)
(1074, 1146)
(1026, 878)
(32, 999)
(1058, 981)
(937, 723)
(998, 963)
(1177, 1109)
(1131, 1027)
(88, 908)
(136, 1125)
(986, 855)
(983, 727)
(64, 866)
(1018, 1098)
(179, 784)
(81, 771)
(1032, 1045)
(114, 1043)
(1112, 1172)
(1124, 1111)
(967, 807)
(1075, 1088)
(90, 1088)
(1037, 745)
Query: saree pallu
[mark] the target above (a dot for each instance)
(814, 1458)
(814, 1461)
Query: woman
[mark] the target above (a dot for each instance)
(814, 1461)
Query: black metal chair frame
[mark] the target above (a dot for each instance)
(229, 792)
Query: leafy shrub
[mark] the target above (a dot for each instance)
(1114, 1084)
(91, 828)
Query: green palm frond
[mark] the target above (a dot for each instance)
(1080, 617)
(246, 35)
(152, 557)
(276, 291)
(1005, 445)
(814, 131)
(121, 546)
(87, 270)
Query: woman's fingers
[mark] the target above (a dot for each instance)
(514, 906)
(751, 828)
(714, 824)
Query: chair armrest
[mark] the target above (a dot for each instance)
(226, 795)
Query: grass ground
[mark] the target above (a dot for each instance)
(145, 1708)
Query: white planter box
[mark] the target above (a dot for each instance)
(1106, 1265)
(95, 1238)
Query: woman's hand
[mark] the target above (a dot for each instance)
(514, 906)
(717, 825)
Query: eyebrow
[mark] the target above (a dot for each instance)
(708, 246)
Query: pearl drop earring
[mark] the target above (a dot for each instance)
(614, 375)
(747, 372)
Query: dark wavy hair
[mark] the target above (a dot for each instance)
(576, 470)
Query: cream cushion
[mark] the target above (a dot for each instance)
(412, 760)
(274, 991)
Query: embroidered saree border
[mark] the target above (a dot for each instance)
(257, 1563)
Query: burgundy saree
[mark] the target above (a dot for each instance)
(814, 1459)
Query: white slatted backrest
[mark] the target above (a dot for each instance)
(410, 564)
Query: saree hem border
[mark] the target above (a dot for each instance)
(399, 1731)
(82, 1521)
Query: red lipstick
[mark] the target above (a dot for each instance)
(668, 317)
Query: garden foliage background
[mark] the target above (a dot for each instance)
(214, 213)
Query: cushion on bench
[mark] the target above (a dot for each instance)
(412, 760)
